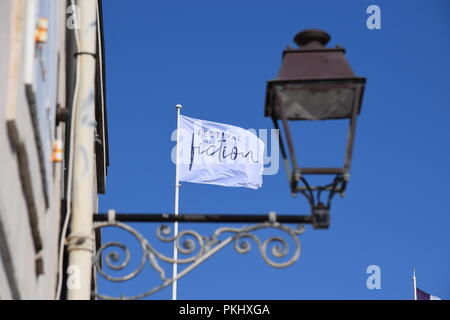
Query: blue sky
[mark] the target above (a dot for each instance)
(215, 57)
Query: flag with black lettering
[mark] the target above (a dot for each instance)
(220, 154)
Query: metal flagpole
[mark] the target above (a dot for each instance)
(177, 195)
(414, 282)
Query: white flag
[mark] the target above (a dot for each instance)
(221, 154)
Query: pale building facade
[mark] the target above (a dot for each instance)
(38, 86)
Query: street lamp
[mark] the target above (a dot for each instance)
(315, 83)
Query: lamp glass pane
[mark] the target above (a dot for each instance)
(301, 102)
(320, 144)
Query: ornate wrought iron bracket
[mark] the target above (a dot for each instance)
(194, 248)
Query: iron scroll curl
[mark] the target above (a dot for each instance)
(194, 249)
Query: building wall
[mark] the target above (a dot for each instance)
(33, 85)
